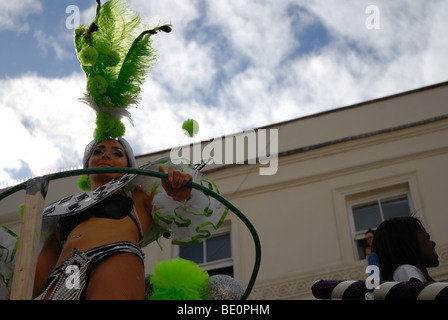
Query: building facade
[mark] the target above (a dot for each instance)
(311, 187)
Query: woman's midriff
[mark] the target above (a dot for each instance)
(96, 232)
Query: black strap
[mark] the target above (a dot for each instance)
(140, 232)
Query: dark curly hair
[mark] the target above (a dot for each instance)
(396, 243)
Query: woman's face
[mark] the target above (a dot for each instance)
(109, 153)
(427, 249)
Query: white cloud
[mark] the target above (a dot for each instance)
(357, 64)
(184, 68)
(46, 126)
(47, 42)
(231, 66)
(434, 61)
(87, 15)
(13, 14)
(33, 149)
(178, 12)
(256, 29)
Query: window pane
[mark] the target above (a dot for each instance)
(226, 270)
(366, 216)
(218, 248)
(194, 252)
(396, 208)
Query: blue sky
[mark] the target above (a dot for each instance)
(29, 50)
(232, 65)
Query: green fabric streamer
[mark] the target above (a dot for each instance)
(7, 256)
(22, 207)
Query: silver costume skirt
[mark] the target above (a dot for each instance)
(69, 280)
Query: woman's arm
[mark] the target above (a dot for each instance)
(46, 262)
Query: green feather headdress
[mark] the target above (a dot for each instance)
(115, 53)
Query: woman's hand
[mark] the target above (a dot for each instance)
(175, 185)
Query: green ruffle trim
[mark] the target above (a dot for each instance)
(7, 256)
(181, 220)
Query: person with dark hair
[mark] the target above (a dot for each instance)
(405, 250)
(369, 239)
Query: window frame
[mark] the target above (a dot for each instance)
(377, 196)
(216, 264)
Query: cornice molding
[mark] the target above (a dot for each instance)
(333, 173)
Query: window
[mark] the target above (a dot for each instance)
(213, 254)
(368, 213)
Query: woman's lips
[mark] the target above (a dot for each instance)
(104, 165)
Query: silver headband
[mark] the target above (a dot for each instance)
(127, 148)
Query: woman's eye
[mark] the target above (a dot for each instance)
(118, 154)
(97, 152)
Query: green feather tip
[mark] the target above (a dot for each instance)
(178, 279)
(190, 127)
(88, 56)
(108, 127)
(84, 182)
(96, 85)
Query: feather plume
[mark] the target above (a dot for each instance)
(138, 60)
(178, 279)
(115, 54)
